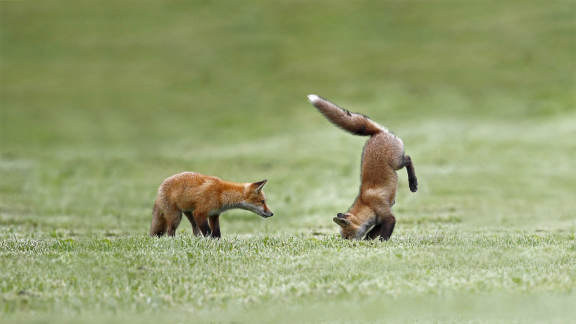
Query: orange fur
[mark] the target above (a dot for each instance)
(202, 198)
(383, 154)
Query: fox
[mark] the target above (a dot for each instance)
(202, 199)
(370, 216)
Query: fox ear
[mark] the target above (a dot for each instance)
(259, 185)
(341, 221)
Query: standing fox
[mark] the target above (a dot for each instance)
(202, 198)
(383, 154)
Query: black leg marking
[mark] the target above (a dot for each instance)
(387, 228)
(374, 232)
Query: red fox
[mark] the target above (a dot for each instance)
(383, 154)
(202, 198)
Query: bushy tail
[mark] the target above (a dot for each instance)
(354, 123)
(412, 181)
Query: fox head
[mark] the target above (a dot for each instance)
(354, 226)
(348, 230)
(255, 200)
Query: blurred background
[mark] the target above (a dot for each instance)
(100, 101)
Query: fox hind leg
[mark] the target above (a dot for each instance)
(158, 222)
(158, 226)
(412, 181)
(173, 218)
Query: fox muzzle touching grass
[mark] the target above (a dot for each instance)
(371, 213)
(202, 199)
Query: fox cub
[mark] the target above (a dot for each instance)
(202, 199)
(383, 154)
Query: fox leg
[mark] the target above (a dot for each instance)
(386, 221)
(214, 222)
(412, 181)
(194, 226)
(173, 218)
(374, 232)
(387, 228)
(158, 223)
(201, 220)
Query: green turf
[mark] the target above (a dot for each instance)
(100, 101)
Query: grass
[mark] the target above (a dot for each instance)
(140, 275)
(99, 103)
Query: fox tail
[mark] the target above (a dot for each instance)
(354, 123)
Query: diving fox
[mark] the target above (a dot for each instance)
(383, 154)
(202, 198)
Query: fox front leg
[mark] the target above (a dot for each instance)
(214, 222)
(387, 228)
(387, 221)
(374, 232)
(193, 223)
(201, 220)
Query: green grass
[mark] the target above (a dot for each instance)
(99, 102)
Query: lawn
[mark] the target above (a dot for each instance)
(100, 101)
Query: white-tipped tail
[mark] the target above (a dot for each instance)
(313, 98)
(354, 123)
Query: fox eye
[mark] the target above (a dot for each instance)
(262, 201)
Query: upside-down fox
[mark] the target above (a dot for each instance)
(202, 198)
(383, 154)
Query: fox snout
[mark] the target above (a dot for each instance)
(267, 214)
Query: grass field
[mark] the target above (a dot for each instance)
(100, 101)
